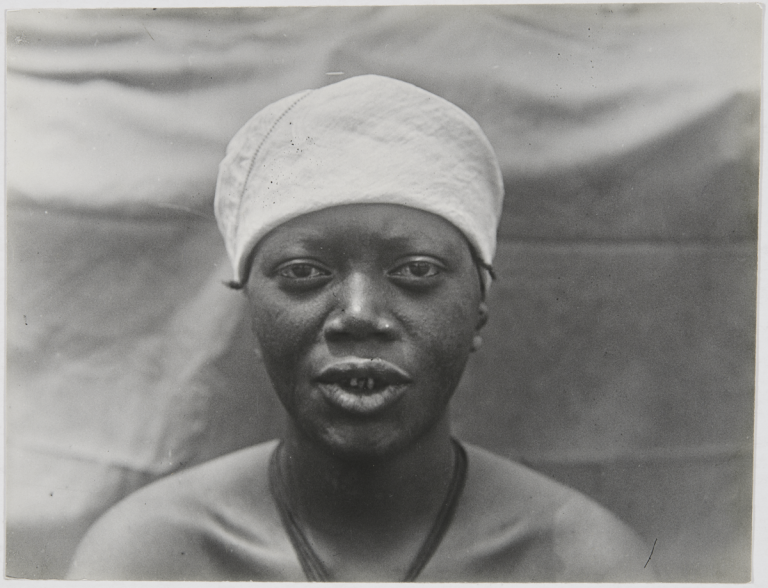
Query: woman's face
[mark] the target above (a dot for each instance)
(365, 316)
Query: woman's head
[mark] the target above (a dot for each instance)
(354, 217)
(365, 315)
(368, 139)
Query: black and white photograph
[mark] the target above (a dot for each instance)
(434, 293)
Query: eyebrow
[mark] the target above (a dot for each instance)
(315, 238)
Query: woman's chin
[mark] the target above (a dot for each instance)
(364, 444)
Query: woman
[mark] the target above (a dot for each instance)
(360, 220)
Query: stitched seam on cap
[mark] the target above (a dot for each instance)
(258, 149)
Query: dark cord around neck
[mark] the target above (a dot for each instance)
(315, 570)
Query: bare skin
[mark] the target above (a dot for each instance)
(218, 521)
(365, 315)
(353, 284)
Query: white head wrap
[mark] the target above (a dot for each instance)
(367, 139)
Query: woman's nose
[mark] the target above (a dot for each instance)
(360, 310)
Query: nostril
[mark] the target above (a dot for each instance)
(347, 325)
(359, 309)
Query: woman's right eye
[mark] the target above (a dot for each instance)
(302, 271)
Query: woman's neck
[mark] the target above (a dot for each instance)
(386, 497)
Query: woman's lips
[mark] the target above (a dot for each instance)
(362, 386)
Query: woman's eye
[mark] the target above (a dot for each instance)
(301, 271)
(417, 269)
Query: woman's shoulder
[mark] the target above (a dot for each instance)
(240, 476)
(515, 524)
(515, 488)
(211, 521)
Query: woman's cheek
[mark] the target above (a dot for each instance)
(456, 322)
(285, 333)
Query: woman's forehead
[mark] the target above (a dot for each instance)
(366, 224)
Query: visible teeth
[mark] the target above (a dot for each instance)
(362, 383)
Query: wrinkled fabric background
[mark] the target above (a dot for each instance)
(620, 353)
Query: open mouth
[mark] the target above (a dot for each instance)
(362, 386)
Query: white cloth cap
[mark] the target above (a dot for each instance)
(367, 139)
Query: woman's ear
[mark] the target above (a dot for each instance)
(482, 318)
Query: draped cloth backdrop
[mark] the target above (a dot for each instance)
(619, 357)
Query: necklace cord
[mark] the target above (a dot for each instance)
(313, 567)
(444, 515)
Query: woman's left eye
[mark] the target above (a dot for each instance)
(417, 270)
